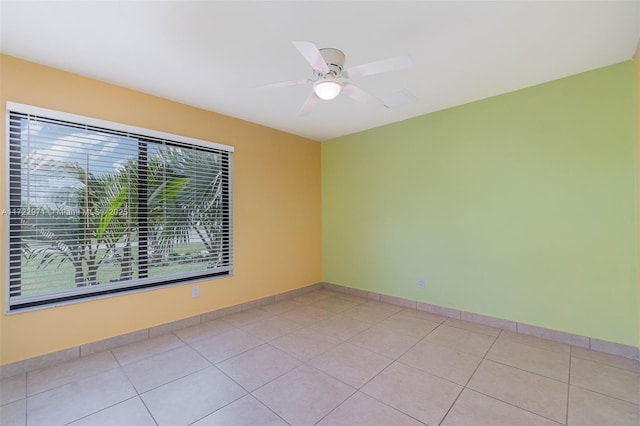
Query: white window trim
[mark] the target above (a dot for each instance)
(120, 127)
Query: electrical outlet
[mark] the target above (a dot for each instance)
(420, 282)
(195, 291)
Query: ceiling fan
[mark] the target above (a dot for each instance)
(330, 76)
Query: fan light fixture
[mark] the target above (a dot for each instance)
(327, 88)
(330, 78)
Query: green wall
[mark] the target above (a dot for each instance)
(520, 206)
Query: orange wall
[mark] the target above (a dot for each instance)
(277, 224)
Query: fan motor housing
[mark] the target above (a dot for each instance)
(334, 59)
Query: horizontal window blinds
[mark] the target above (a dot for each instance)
(97, 208)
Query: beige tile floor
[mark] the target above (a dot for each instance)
(328, 358)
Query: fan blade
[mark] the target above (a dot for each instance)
(284, 84)
(312, 55)
(399, 98)
(377, 67)
(309, 104)
(356, 93)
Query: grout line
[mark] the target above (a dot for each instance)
(268, 408)
(515, 406)
(355, 389)
(108, 407)
(497, 399)
(517, 327)
(608, 396)
(484, 357)
(90, 375)
(628, 370)
(527, 371)
(148, 411)
(495, 339)
(308, 326)
(175, 379)
(290, 295)
(453, 324)
(533, 345)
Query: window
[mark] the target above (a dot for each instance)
(97, 208)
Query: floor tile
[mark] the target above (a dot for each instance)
(499, 323)
(332, 358)
(590, 408)
(350, 364)
(473, 408)
(553, 335)
(14, 413)
(305, 344)
(243, 412)
(532, 392)
(461, 340)
(140, 350)
(604, 358)
(441, 361)
(335, 304)
(272, 328)
(257, 366)
(312, 297)
(131, 412)
(89, 395)
(472, 326)
(163, 368)
(350, 297)
(341, 327)
(554, 365)
(203, 330)
(281, 307)
(400, 302)
(383, 307)
(192, 397)
(605, 379)
(240, 319)
(114, 342)
(307, 314)
(225, 345)
(388, 309)
(303, 396)
(13, 388)
(68, 372)
(411, 326)
(439, 310)
(384, 341)
(418, 394)
(361, 409)
(369, 313)
(538, 342)
(167, 328)
(415, 313)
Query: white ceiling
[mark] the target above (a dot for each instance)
(213, 54)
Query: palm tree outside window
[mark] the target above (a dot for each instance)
(97, 208)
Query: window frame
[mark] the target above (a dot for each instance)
(83, 294)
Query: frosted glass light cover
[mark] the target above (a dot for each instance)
(327, 90)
